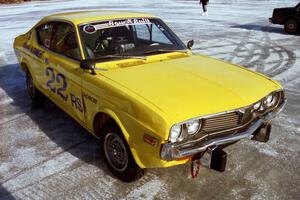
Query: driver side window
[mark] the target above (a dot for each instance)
(64, 41)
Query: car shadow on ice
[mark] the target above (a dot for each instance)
(6, 194)
(52, 132)
(263, 28)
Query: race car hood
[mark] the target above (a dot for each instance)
(193, 86)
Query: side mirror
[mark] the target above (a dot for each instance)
(88, 64)
(190, 44)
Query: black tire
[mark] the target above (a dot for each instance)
(118, 155)
(36, 96)
(291, 26)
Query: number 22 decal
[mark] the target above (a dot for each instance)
(58, 79)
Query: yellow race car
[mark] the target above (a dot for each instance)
(132, 83)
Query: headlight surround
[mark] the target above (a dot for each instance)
(271, 100)
(175, 133)
(184, 130)
(257, 106)
(193, 126)
(267, 102)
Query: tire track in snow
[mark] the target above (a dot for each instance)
(256, 51)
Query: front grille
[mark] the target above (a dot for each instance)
(222, 122)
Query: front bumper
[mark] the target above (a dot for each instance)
(171, 151)
(271, 19)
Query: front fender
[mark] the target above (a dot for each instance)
(115, 117)
(144, 154)
(134, 115)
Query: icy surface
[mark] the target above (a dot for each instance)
(45, 155)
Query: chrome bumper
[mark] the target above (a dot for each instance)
(171, 151)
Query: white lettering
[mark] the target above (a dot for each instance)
(116, 23)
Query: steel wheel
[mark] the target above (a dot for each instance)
(115, 152)
(118, 155)
(30, 85)
(35, 95)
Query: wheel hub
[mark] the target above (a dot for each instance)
(115, 152)
(291, 26)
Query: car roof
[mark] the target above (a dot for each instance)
(87, 16)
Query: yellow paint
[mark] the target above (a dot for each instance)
(144, 96)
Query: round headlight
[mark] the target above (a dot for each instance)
(257, 106)
(175, 133)
(270, 100)
(193, 127)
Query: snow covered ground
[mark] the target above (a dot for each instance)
(44, 154)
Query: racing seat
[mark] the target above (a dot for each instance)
(113, 38)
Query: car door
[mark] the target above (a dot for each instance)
(63, 71)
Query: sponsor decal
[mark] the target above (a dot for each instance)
(90, 29)
(38, 53)
(92, 99)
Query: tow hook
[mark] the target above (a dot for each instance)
(195, 168)
(214, 158)
(262, 134)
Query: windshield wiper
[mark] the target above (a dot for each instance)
(164, 51)
(120, 56)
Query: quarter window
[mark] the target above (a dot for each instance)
(44, 35)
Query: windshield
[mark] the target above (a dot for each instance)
(128, 37)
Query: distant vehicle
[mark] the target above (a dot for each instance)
(289, 17)
(130, 81)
